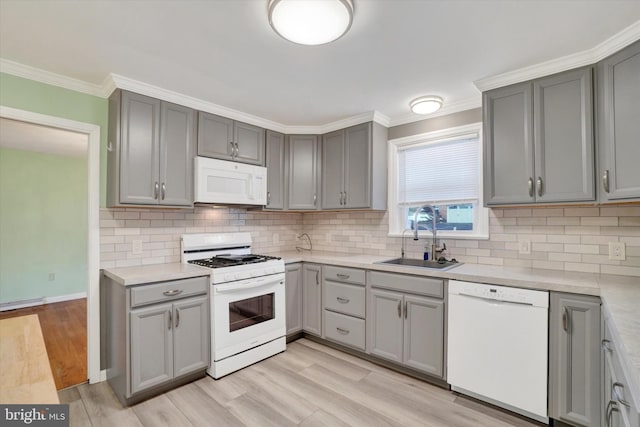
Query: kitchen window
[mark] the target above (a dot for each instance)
(443, 169)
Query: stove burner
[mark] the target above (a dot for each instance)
(228, 260)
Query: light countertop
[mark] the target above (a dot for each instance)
(129, 276)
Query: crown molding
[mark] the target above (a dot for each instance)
(448, 108)
(580, 59)
(47, 77)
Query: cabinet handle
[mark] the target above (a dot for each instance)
(405, 310)
(400, 309)
(342, 300)
(606, 346)
(268, 197)
(530, 186)
(172, 292)
(164, 190)
(110, 146)
(565, 319)
(539, 186)
(605, 180)
(233, 149)
(341, 193)
(342, 276)
(156, 190)
(317, 278)
(342, 331)
(611, 408)
(177, 317)
(315, 199)
(237, 150)
(344, 200)
(617, 394)
(170, 320)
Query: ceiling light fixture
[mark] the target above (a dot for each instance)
(426, 104)
(311, 22)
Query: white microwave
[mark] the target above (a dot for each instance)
(223, 182)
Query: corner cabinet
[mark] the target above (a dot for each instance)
(352, 163)
(312, 299)
(150, 152)
(574, 359)
(226, 139)
(539, 144)
(276, 171)
(304, 172)
(293, 291)
(619, 127)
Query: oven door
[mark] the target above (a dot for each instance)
(246, 314)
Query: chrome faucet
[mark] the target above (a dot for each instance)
(402, 249)
(436, 251)
(299, 236)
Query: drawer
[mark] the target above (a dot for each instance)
(347, 299)
(344, 329)
(167, 291)
(343, 274)
(406, 283)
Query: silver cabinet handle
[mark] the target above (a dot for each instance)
(317, 278)
(617, 394)
(177, 317)
(170, 320)
(164, 190)
(342, 300)
(315, 199)
(606, 346)
(341, 193)
(539, 186)
(400, 309)
(237, 150)
(172, 292)
(565, 319)
(343, 276)
(611, 408)
(605, 180)
(530, 186)
(268, 197)
(156, 190)
(342, 331)
(233, 149)
(405, 310)
(344, 200)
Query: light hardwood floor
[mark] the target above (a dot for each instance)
(308, 385)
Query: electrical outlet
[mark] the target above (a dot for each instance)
(617, 251)
(52, 277)
(524, 247)
(136, 246)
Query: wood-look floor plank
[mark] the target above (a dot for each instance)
(343, 367)
(321, 418)
(160, 411)
(103, 407)
(78, 416)
(200, 408)
(223, 390)
(253, 412)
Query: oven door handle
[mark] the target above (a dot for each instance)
(254, 284)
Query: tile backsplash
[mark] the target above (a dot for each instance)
(563, 238)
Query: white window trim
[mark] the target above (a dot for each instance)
(481, 225)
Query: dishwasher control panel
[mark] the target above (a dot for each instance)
(500, 293)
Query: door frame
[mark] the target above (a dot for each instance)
(93, 233)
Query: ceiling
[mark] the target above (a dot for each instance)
(224, 51)
(42, 139)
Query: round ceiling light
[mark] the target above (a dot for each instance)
(426, 104)
(311, 22)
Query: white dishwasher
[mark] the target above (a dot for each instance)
(497, 346)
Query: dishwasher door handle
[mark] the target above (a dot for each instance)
(494, 300)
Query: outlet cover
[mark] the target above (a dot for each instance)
(524, 247)
(136, 246)
(52, 277)
(617, 251)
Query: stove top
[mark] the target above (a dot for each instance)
(230, 260)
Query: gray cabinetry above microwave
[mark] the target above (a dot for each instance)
(226, 139)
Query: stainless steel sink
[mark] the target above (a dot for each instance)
(411, 262)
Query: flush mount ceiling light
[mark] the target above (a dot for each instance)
(426, 104)
(311, 22)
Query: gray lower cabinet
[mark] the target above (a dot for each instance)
(406, 327)
(157, 335)
(276, 171)
(312, 299)
(150, 151)
(226, 139)
(539, 143)
(344, 303)
(293, 291)
(304, 172)
(574, 359)
(618, 124)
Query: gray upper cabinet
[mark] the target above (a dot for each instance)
(574, 359)
(303, 166)
(226, 139)
(150, 154)
(349, 158)
(539, 140)
(293, 283)
(276, 172)
(312, 299)
(618, 125)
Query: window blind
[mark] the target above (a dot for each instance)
(437, 172)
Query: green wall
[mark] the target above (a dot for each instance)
(24, 94)
(43, 225)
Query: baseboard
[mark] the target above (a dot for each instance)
(14, 305)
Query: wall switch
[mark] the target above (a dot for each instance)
(524, 247)
(136, 246)
(52, 277)
(617, 251)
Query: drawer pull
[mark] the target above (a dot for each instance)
(342, 300)
(342, 276)
(173, 292)
(342, 331)
(615, 390)
(606, 346)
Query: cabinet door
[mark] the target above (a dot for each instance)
(275, 170)
(303, 172)
(215, 136)
(357, 173)
(191, 335)
(563, 135)
(312, 299)
(249, 142)
(333, 161)
(424, 334)
(140, 149)
(151, 346)
(508, 156)
(293, 291)
(177, 149)
(619, 125)
(574, 359)
(385, 324)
